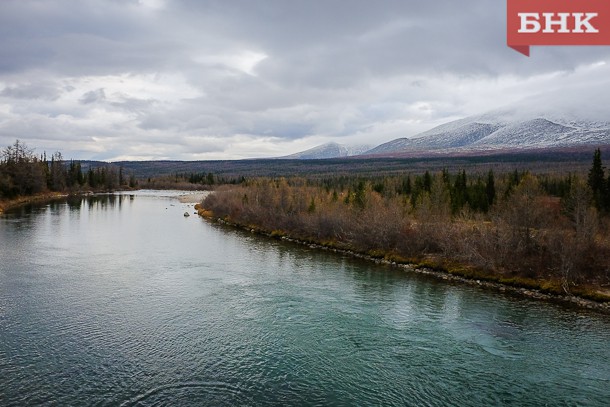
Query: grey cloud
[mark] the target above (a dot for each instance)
(81, 37)
(133, 105)
(157, 121)
(32, 91)
(309, 40)
(332, 68)
(312, 42)
(93, 96)
(323, 44)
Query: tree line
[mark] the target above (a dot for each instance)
(23, 173)
(513, 226)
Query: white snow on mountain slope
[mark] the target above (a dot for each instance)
(504, 129)
(329, 150)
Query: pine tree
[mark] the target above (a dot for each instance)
(360, 195)
(79, 174)
(446, 176)
(406, 185)
(210, 178)
(607, 200)
(459, 193)
(427, 181)
(92, 178)
(312, 206)
(490, 188)
(597, 180)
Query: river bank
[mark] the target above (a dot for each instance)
(193, 197)
(7, 204)
(593, 298)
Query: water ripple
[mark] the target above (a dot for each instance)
(213, 393)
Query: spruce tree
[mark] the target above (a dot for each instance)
(490, 188)
(427, 181)
(360, 195)
(597, 180)
(459, 195)
(406, 186)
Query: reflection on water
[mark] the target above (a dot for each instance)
(121, 300)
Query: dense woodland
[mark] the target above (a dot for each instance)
(514, 226)
(23, 173)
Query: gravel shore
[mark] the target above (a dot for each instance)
(194, 197)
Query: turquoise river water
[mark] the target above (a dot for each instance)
(120, 300)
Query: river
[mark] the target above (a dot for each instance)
(120, 300)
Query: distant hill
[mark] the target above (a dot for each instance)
(328, 150)
(539, 123)
(502, 130)
(572, 159)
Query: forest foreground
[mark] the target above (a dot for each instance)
(547, 232)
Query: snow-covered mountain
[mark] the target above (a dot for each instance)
(329, 150)
(506, 129)
(545, 121)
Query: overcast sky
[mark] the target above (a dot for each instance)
(227, 79)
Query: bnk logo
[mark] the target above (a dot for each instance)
(557, 22)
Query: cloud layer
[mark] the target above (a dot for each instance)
(186, 79)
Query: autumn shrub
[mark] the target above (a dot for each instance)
(526, 235)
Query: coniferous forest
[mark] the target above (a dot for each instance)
(23, 173)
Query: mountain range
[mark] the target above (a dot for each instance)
(499, 130)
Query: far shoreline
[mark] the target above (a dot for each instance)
(194, 197)
(9, 204)
(191, 197)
